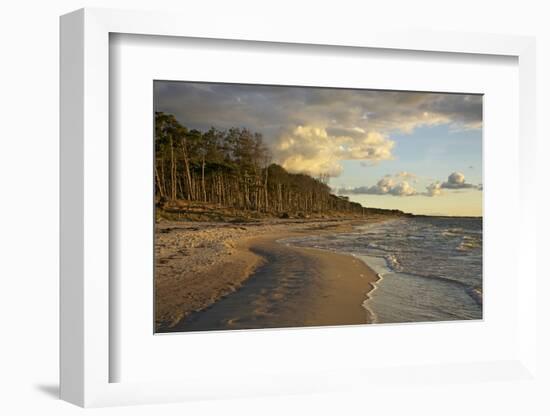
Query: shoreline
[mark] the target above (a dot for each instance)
(200, 266)
(362, 280)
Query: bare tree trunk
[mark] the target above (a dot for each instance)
(257, 193)
(160, 185)
(202, 180)
(172, 171)
(163, 175)
(190, 193)
(223, 198)
(180, 186)
(280, 197)
(265, 190)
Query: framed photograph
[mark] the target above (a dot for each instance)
(321, 210)
(242, 214)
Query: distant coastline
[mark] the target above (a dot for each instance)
(446, 216)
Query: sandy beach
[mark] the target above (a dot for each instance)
(230, 276)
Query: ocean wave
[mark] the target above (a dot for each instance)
(431, 267)
(453, 231)
(393, 262)
(372, 317)
(476, 293)
(468, 243)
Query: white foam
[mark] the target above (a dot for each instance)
(380, 267)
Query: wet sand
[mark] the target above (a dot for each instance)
(266, 284)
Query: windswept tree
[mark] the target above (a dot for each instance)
(168, 132)
(233, 168)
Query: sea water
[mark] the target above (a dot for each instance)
(430, 268)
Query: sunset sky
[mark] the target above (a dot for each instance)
(417, 152)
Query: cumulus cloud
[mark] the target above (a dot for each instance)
(403, 189)
(434, 189)
(385, 186)
(398, 185)
(312, 130)
(457, 180)
(403, 175)
(314, 151)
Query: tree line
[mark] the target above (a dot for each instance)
(233, 168)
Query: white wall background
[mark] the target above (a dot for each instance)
(29, 198)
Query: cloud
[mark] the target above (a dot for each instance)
(403, 175)
(434, 189)
(398, 185)
(403, 189)
(385, 186)
(312, 130)
(313, 150)
(457, 180)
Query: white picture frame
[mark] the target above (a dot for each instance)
(85, 217)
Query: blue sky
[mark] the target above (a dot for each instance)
(431, 154)
(414, 151)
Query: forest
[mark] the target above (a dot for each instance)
(233, 169)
